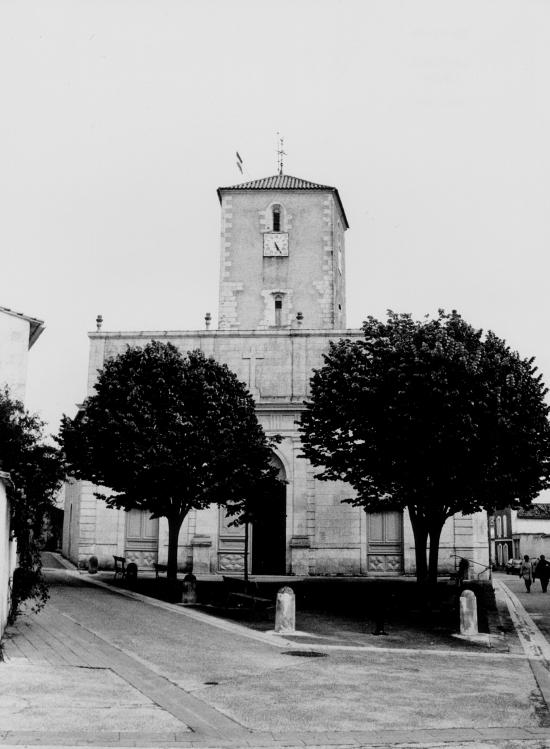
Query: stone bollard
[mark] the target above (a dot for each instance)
(92, 565)
(189, 594)
(468, 613)
(131, 574)
(285, 612)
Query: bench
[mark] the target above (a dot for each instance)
(244, 592)
(160, 568)
(460, 574)
(120, 567)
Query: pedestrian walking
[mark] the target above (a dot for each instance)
(526, 572)
(542, 571)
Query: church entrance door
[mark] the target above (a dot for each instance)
(384, 543)
(269, 536)
(142, 539)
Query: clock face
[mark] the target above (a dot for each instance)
(276, 244)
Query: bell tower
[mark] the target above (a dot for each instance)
(282, 255)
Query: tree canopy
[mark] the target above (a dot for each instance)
(36, 471)
(433, 416)
(168, 433)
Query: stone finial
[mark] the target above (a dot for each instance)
(99, 322)
(208, 320)
(299, 318)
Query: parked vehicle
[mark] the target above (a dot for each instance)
(512, 566)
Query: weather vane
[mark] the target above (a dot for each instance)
(280, 153)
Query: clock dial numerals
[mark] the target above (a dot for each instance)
(276, 244)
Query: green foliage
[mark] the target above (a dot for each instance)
(36, 472)
(168, 433)
(432, 416)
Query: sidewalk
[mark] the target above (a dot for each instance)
(103, 669)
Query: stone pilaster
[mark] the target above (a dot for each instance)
(201, 554)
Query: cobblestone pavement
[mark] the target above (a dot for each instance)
(97, 668)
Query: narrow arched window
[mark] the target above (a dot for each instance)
(276, 212)
(278, 311)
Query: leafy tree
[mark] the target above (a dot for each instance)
(432, 416)
(168, 433)
(36, 471)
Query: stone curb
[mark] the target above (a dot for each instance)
(417, 737)
(277, 640)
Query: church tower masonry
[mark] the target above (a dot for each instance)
(282, 255)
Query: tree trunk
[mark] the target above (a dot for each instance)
(435, 535)
(246, 554)
(420, 532)
(174, 525)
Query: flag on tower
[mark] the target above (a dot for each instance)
(239, 162)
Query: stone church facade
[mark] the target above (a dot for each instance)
(281, 299)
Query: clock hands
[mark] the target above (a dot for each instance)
(277, 247)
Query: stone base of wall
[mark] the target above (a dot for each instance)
(334, 561)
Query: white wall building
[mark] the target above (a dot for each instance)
(17, 334)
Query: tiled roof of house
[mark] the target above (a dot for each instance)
(536, 512)
(36, 326)
(284, 182)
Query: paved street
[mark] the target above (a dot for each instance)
(99, 668)
(536, 602)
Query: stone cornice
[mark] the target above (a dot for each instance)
(279, 333)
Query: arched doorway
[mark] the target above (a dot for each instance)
(268, 531)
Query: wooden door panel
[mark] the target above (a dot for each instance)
(385, 543)
(141, 545)
(133, 524)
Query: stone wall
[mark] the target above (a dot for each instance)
(462, 536)
(90, 527)
(14, 338)
(276, 365)
(310, 279)
(7, 553)
(533, 544)
(324, 536)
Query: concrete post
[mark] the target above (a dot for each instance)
(468, 613)
(285, 612)
(189, 594)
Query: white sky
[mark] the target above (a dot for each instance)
(121, 118)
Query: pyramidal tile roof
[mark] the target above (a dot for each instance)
(284, 182)
(279, 182)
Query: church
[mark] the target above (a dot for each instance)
(282, 298)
